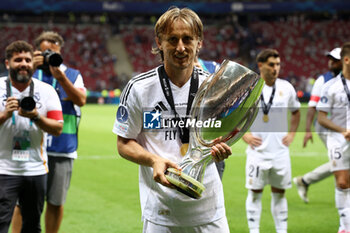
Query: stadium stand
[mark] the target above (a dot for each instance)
(85, 48)
(302, 41)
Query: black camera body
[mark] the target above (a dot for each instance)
(27, 103)
(51, 58)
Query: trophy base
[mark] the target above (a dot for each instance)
(184, 183)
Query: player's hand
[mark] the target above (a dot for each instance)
(346, 135)
(220, 151)
(11, 106)
(38, 59)
(251, 140)
(307, 137)
(57, 73)
(288, 139)
(160, 165)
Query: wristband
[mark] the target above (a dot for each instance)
(36, 118)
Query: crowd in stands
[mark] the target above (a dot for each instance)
(302, 42)
(84, 48)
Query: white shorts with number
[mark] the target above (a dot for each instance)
(261, 171)
(338, 152)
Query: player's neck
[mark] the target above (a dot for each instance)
(269, 83)
(346, 73)
(179, 77)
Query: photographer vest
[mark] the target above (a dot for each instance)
(67, 142)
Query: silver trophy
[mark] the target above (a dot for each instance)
(230, 96)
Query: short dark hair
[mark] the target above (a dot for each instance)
(17, 47)
(345, 50)
(264, 55)
(49, 36)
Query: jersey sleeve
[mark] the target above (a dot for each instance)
(326, 100)
(79, 83)
(128, 122)
(316, 92)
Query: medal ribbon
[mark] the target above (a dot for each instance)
(266, 107)
(346, 88)
(164, 81)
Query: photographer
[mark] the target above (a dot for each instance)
(23, 158)
(62, 150)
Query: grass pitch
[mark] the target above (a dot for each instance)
(103, 197)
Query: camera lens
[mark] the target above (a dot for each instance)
(27, 104)
(55, 59)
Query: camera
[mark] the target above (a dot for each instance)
(51, 58)
(27, 103)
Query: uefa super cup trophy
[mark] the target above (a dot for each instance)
(231, 96)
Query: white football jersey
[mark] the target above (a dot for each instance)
(315, 97)
(47, 104)
(161, 205)
(334, 101)
(273, 131)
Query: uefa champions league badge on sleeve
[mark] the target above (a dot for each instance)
(324, 99)
(152, 120)
(122, 114)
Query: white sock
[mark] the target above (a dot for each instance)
(318, 173)
(342, 202)
(253, 209)
(279, 210)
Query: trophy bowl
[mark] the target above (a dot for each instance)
(227, 102)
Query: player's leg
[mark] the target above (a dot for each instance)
(342, 198)
(321, 172)
(57, 187)
(302, 182)
(340, 165)
(279, 209)
(256, 177)
(280, 179)
(253, 209)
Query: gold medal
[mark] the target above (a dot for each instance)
(266, 118)
(184, 149)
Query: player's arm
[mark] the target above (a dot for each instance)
(76, 95)
(294, 123)
(309, 119)
(131, 150)
(327, 123)
(49, 125)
